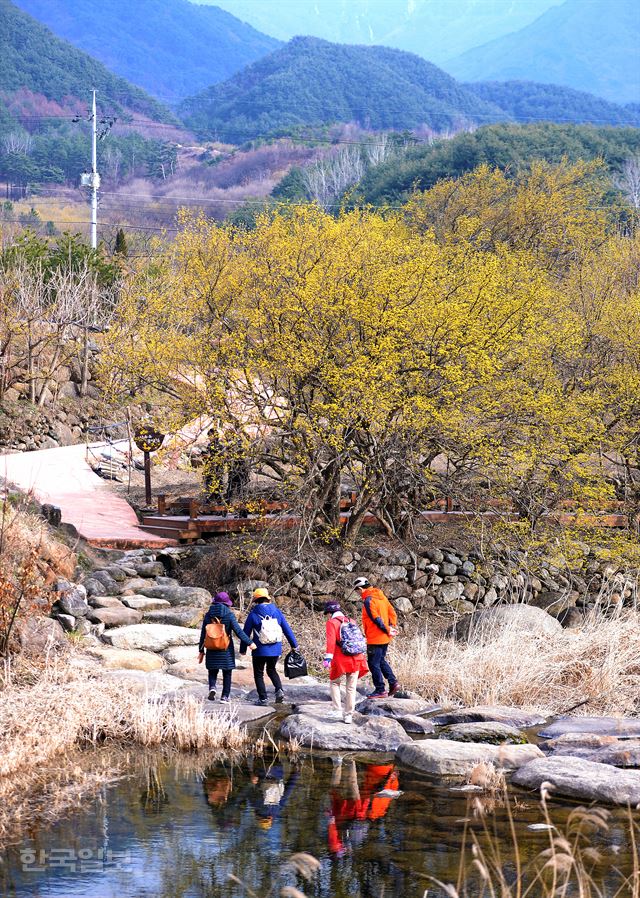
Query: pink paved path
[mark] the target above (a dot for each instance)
(63, 477)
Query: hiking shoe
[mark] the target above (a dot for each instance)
(395, 688)
(262, 702)
(212, 695)
(279, 696)
(377, 695)
(348, 718)
(224, 700)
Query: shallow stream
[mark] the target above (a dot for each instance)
(180, 827)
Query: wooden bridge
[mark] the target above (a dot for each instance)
(188, 519)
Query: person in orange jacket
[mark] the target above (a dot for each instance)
(379, 621)
(352, 808)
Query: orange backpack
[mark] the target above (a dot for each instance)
(215, 636)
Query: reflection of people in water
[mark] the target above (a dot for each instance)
(218, 789)
(352, 807)
(270, 794)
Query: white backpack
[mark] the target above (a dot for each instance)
(270, 631)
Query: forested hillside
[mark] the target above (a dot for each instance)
(589, 45)
(508, 147)
(313, 82)
(41, 72)
(172, 48)
(527, 101)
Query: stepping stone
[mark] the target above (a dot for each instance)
(151, 637)
(578, 778)
(419, 726)
(320, 727)
(599, 726)
(501, 713)
(395, 707)
(123, 659)
(444, 757)
(106, 602)
(189, 669)
(618, 753)
(490, 732)
(178, 595)
(295, 694)
(178, 615)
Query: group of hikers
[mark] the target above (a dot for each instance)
(350, 653)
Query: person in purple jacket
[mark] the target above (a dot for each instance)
(268, 625)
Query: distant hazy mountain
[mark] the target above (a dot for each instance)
(313, 82)
(40, 74)
(590, 45)
(434, 29)
(172, 48)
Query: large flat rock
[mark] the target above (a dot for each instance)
(296, 693)
(320, 727)
(190, 669)
(125, 659)
(418, 726)
(488, 623)
(394, 707)
(444, 757)
(151, 637)
(242, 711)
(178, 615)
(620, 753)
(178, 595)
(515, 717)
(599, 726)
(579, 778)
(144, 603)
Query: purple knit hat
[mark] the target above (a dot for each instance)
(223, 599)
(331, 607)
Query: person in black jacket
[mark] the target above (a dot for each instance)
(221, 659)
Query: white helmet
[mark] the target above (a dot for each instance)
(361, 583)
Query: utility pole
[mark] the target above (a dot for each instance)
(95, 177)
(92, 179)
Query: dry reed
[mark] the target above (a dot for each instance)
(65, 709)
(599, 662)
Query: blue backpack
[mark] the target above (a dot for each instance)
(352, 641)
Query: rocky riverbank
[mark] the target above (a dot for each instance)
(136, 625)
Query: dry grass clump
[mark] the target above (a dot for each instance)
(65, 709)
(600, 662)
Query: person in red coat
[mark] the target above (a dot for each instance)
(349, 667)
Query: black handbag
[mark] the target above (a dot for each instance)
(294, 665)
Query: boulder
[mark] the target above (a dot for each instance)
(598, 726)
(554, 602)
(515, 717)
(105, 602)
(123, 659)
(68, 622)
(571, 619)
(449, 592)
(71, 599)
(394, 707)
(144, 603)
(393, 572)
(403, 604)
(297, 693)
(491, 732)
(117, 572)
(41, 635)
(94, 587)
(105, 578)
(419, 726)
(133, 585)
(179, 615)
(320, 727)
(178, 595)
(445, 757)
(487, 623)
(582, 779)
(151, 637)
(114, 617)
(147, 568)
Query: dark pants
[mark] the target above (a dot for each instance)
(226, 681)
(259, 665)
(380, 667)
